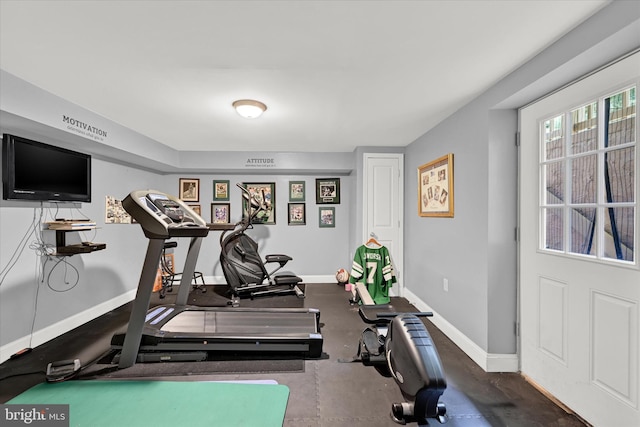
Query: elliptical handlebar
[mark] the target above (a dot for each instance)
(256, 205)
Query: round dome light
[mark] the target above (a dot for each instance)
(248, 108)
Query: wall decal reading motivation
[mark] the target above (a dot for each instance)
(84, 128)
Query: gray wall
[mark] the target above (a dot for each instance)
(31, 293)
(315, 251)
(47, 291)
(476, 250)
(104, 277)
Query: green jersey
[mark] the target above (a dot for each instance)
(372, 266)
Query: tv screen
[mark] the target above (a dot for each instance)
(33, 170)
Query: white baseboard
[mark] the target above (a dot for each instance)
(53, 331)
(220, 280)
(490, 362)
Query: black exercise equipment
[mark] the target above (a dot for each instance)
(168, 276)
(182, 332)
(62, 370)
(243, 268)
(400, 346)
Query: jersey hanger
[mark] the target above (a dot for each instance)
(372, 241)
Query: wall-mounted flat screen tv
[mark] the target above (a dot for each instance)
(33, 170)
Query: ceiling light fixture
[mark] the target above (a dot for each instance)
(248, 108)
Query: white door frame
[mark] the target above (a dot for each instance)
(397, 252)
(579, 322)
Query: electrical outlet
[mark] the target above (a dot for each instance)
(445, 284)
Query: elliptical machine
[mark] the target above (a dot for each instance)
(243, 268)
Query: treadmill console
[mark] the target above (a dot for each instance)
(168, 207)
(163, 216)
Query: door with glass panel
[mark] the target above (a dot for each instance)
(579, 259)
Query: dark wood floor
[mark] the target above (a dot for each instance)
(324, 392)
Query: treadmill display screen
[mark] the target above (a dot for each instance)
(150, 205)
(161, 204)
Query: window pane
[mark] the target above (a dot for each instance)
(554, 229)
(619, 233)
(554, 138)
(589, 179)
(583, 227)
(620, 175)
(583, 179)
(584, 129)
(554, 176)
(621, 120)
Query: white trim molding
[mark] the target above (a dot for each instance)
(489, 362)
(220, 280)
(57, 329)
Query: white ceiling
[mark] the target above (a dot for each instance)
(334, 74)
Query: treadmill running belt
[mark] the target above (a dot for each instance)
(228, 322)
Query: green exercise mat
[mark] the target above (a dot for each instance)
(163, 403)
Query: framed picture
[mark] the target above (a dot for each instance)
(327, 191)
(264, 192)
(114, 212)
(196, 209)
(435, 187)
(327, 217)
(296, 191)
(189, 190)
(220, 213)
(221, 190)
(297, 214)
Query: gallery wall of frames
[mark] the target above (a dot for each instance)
(325, 194)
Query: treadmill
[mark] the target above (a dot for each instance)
(179, 332)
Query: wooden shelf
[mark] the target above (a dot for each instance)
(62, 249)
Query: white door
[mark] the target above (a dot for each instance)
(579, 323)
(383, 206)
